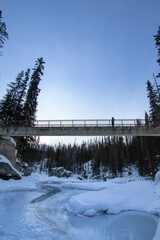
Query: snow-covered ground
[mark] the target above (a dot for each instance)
(42, 207)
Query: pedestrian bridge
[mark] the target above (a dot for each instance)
(96, 127)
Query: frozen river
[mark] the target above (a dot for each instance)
(40, 214)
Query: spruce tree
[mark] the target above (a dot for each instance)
(5, 108)
(15, 89)
(157, 39)
(29, 110)
(154, 105)
(21, 96)
(9, 103)
(154, 90)
(30, 105)
(3, 32)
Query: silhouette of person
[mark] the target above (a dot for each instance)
(112, 121)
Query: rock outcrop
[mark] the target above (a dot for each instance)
(8, 166)
(7, 171)
(8, 150)
(25, 169)
(60, 172)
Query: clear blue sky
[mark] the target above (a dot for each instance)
(98, 53)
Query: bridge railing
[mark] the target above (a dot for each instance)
(78, 123)
(91, 123)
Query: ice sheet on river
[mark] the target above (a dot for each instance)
(115, 198)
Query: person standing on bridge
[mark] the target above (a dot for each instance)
(112, 121)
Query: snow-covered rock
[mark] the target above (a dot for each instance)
(60, 172)
(7, 149)
(18, 161)
(26, 171)
(24, 164)
(7, 171)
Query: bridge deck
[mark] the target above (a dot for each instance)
(103, 127)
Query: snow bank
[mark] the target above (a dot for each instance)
(135, 195)
(30, 183)
(157, 178)
(25, 184)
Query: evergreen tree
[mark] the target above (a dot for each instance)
(154, 90)
(157, 39)
(9, 103)
(3, 32)
(30, 105)
(154, 106)
(5, 108)
(21, 96)
(15, 88)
